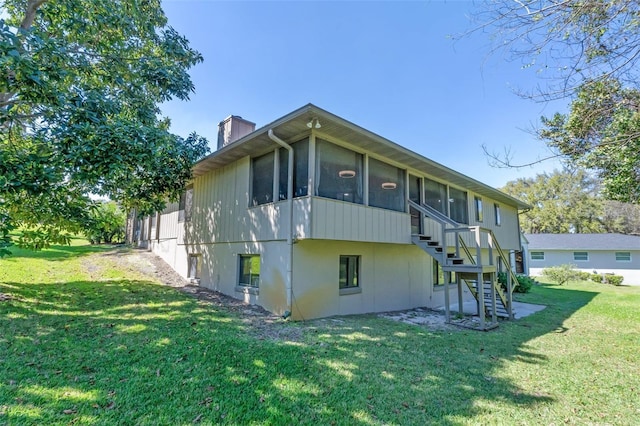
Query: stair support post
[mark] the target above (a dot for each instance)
(481, 306)
(494, 313)
(447, 312)
(460, 305)
(509, 295)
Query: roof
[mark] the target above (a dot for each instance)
(583, 241)
(293, 127)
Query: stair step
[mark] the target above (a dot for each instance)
(451, 255)
(424, 237)
(433, 243)
(456, 261)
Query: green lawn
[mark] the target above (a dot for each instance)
(86, 340)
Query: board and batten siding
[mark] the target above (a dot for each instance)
(339, 220)
(221, 211)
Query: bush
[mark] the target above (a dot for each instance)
(613, 279)
(107, 224)
(596, 278)
(584, 276)
(561, 274)
(523, 285)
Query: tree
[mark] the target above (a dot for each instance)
(106, 225)
(563, 201)
(602, 133)
(588, 52)
(561, 274)
(566, 42)
(622, 218)
(80, 85)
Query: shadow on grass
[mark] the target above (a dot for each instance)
(133, 352)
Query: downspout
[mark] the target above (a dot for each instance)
(289, 284)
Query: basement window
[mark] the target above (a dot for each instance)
(349, 275)
(249, 275)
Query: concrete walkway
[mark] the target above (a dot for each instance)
(520, 309)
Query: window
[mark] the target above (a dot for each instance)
(300, 169)
(262, 179)
(338, 172)
(580, 256)
(249, 270)
(185, 205)
(435, 195)
(458, 205)
(478, 203)
(386, 186)
(623, 256)
(439, 276)
(194, 266)
(496, 210)
(537, 255)
(349, 273)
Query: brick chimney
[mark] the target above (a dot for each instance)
(233, 128)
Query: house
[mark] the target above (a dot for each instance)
(594, 253)
(313, 216)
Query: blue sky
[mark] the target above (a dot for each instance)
(390, 67)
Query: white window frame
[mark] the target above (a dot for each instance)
(531, 254)
(625, 254)
(580, 252)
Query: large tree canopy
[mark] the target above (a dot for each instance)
(81, 82)
(587, 52)
(570, 201)
(562, 201)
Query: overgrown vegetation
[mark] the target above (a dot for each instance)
(523, 285)
(88, 340)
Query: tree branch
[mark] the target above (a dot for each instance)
(30, 13)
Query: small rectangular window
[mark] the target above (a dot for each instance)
(479, 213)
(537, 255)
(623, 256)
(496, 209)
(580, 256)
(439, 276)
(349, 272)
(249, 275)
(194, 266)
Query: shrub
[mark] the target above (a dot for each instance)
(523, 285)
(613, 279)
(596, 278)
(584, 276)
(561, 274)
(107, 224)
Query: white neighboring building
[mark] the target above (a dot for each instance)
(600, 253)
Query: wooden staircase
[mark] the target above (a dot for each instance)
(453, 254)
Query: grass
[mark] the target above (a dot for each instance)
(86, 340)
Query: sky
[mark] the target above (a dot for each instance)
(395, 68)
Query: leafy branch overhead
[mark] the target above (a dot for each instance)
(81, 82)
(586, 52)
